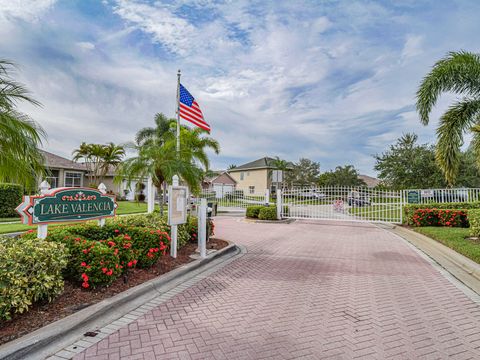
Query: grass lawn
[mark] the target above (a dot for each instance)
(124, 208)
(377, 212)
(454, 238)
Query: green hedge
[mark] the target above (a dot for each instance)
(410, 209)
(10, 198)
(268, 213)
(474, 219)
(253, 211)
(30, 271)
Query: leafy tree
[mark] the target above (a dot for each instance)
(342, 176)
(407, 164)
(20, 159)
(458, 72)
(305, 172)
(112, 157)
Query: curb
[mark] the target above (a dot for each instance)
(283, 221)
(102, 313)
(462, 268)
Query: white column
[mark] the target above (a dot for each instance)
(103, 190)
(267, 196)
(202, 228)
(174, 231)
(279, 204)
(42, 230)
(150, 195)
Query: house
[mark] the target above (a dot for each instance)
(222, 184)
(256, 176)
(63, 172)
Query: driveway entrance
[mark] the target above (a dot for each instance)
(308, 290)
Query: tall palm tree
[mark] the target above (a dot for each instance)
(20, 136)
(112, 157)
(458, 72)
(157, 155)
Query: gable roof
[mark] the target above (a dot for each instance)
(263, 163)
(56, 161)
(224, 174)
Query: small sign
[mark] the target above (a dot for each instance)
(177, 205)
(67, 204)
(413, 197)
(427, 193)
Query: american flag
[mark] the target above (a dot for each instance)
(190, 111)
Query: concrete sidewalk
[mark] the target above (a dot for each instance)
(308, 290)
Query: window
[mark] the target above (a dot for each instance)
(53, 178)
(73, 179)
(251, 189)
(242, 175)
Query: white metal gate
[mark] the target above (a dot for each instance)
(342, 203)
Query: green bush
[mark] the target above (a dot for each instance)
(253, 211)
(268, 213)
(408, 210)
(474, 220)
(438, 217)
(30, 271)
(10, 198)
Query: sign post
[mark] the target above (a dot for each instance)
(150, 195)
(202, 228)
(177, 211)
(65, 204)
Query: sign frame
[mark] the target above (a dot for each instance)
(26, 209)
(413, 197)
(173, 196)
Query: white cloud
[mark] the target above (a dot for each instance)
(28, 10)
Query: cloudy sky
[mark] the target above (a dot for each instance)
(333, 81)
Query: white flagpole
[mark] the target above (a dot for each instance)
(178, 115)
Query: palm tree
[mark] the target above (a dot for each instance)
(231, 166)
(112, 157)
(92, 156)
(157, 155)
(458, 72)
(20, 160)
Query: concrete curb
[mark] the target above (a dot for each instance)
(461, 267)
(60, 333)
(283, 221)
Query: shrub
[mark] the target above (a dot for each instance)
(253, 211)
(408, 210)
(438, 217)
(474, 220)
(10, 198)
(268, 213)
(30, 270)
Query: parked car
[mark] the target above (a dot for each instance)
(356, 198)
(310, 195)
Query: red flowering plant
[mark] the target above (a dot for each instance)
(96, 263)
(438, 217)
(123, 246)
(149, 244)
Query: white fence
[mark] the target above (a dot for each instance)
(337, 202)
(342, 203)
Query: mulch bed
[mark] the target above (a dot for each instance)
(75, 298)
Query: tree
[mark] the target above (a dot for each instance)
(156, 155)
(304, 173)
(342, 176)
(20, 159)
(98, 158)
(407, 164)
(231, 166)
(458, 72)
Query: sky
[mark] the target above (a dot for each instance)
(332, 81)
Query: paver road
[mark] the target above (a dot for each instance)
(308, 291)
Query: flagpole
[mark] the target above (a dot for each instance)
(178, 114)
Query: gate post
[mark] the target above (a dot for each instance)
(42, 229)
(267, 197)
(402, 199)
(279, 204)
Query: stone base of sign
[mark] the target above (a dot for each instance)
(53, 338)
(461, 267)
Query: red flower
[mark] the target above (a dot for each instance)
(111, 243)
(130, 264)
(117, 231)
(85, 277)
(85, 251)
(85, 285)
(83, 263)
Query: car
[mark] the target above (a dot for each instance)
(310, 195)
(356, 198)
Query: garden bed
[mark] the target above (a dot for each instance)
(75, 298)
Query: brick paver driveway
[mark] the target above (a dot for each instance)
(308, 291)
